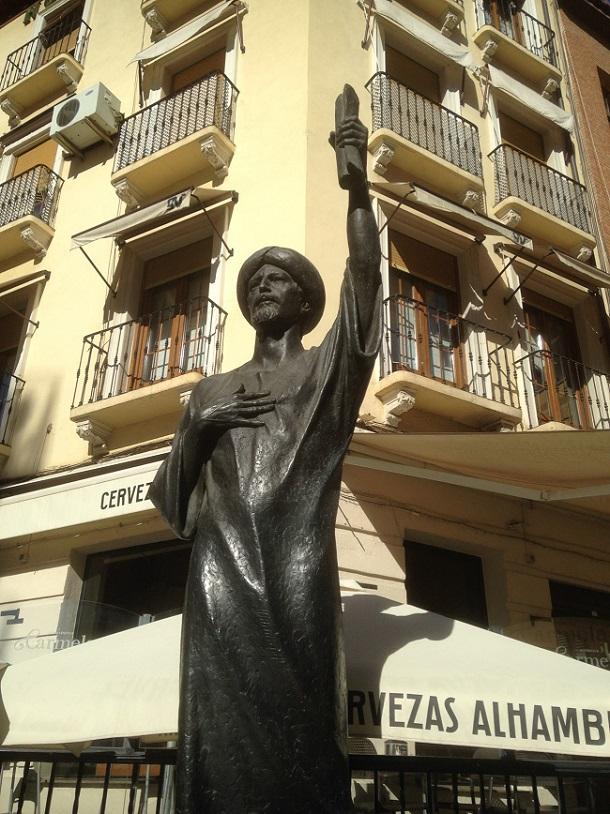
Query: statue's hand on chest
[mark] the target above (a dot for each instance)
(239, 409)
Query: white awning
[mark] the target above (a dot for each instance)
(126, 685)
(456, 214)
(190, 29)
(528, 97)
(149, 216)
(583, 271)
(36, 278)
(423, 31)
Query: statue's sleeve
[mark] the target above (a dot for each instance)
(177, 492)
(350, 352)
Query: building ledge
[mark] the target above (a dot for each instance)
(199, 158)
(27, 235)
(404, 390)
(60, 75)
(516, 57)
(389, 149)
(537, 223)
(97, 420)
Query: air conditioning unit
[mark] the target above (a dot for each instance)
(86, 118)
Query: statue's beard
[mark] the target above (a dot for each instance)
(265, 312)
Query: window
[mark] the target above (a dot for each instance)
(581, 617)
(198, 70)
(522, 137)
(413, 75)
(43, 153)
(444, 581)
(423, 310)
(60, 33)
(125, 588)
(557, 375)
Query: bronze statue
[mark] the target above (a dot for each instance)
(253, 477)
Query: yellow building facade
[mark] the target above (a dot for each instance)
(150, 147)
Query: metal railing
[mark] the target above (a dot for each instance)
(520, 26)
(111, 781)
(154, 347)
(519, 174)
(448, 348)
(557, 388)
(425, 123)
(34, 192)
(10, 393)
(69, 36)
(206, 102)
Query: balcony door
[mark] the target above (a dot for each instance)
(11, 328)
(557, 375)
(423, 310)
(60, 34)
(522, 137)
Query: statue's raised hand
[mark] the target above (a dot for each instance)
(349, 139)
(240, 409)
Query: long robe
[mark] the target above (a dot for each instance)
(262, 701)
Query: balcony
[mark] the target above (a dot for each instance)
(444, 365)
(10, 394)
(43, 68)
(162, 15)
(138, 370)
(564, 391)
(519, 41)
(540, 201)
(448, 13)
(28, 203)
(184, 137)
(425, 140)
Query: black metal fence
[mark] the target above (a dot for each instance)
(68, 36)
(557, 388)
(157, 346)
(425, 123)
(209, 101)
(519, 26)
(525, 177)
(34, 192)
(448, 348)
(10, 393)
(111, 782)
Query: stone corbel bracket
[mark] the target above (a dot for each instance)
(472, 200)
(512, 219)
(449, 23)
(584, 253)
(489, 49)
(382, 158)
(68, 75)
(128, 193)
(12, 110)
(217, 156)
(396, 404)
(551, 86)
(96, 434)
(184, 398)
(156, 21)
(34, 240)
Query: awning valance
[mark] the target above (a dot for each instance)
(583, 274)
(532, 100)
(126, 685)
(423, 31)
(43, 276)
(478, 224)
(189, 30)
(154, 215)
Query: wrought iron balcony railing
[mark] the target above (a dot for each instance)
(519, 26)
(209, 101)
(154, 347)
(34, 192)
(425, 123)
(557, 388)
(10, 393)
(525, 177)
(112, 781)
(448, 348)
(69, 36)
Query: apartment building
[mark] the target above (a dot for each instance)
(148, 148)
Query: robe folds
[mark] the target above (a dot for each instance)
(262, 698)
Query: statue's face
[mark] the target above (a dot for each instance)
(274, 298)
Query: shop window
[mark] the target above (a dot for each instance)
(129, 587)
(557, 375)
(170, 333)
(413, 75)
(581, 617)
(423, 310)
(519, 135)
(448, 582)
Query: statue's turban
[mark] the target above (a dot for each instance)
(302, 271)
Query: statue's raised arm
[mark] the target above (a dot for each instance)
(349, 140)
